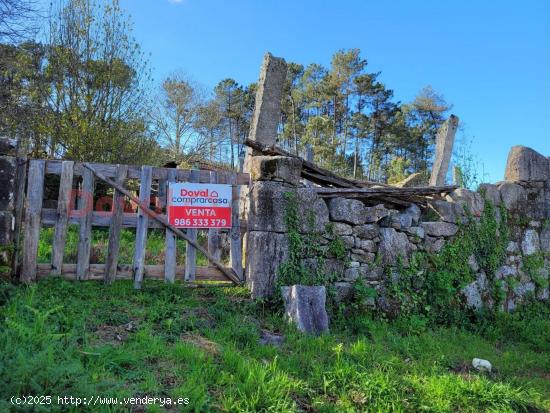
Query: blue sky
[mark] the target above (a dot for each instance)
(490, 59)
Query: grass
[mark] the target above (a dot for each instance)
(154, 253)
(68, 338)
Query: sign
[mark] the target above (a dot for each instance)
(199, 205)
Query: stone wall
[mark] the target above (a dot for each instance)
(379, 239)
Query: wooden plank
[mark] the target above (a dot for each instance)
(116, 226)
(190, 251)
(162, 219)
(142, 225)
(62, 219)
(85, 207)
(214, 234)
(393, 191)
(125, 271)
(170, 238)
(35, 192)
(20, 180)
(235, 244)
(104, 219)
(134, 172)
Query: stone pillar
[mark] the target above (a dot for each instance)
(8, 170)
(443, 151)
(263, 129)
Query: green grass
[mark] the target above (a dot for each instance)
(68, 338)
(154, 253)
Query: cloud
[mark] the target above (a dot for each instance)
(175, 1)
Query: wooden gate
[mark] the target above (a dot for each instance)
(76, 204)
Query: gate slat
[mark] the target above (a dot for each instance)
(190, 251)
(85, 207)
(35, 192)
(214, 234)
(62, 218)
(170, 238)
(236, 252)
(116, 225)
(142, 225)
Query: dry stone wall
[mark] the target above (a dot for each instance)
(378, 240)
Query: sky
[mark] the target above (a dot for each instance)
(490, 59)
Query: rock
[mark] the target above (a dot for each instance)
(530, 244)
(482, 365)
(8, 146)
(534, 224)
(512, 247)
(526, 164)
(348, 240)
(397, 220)
(342, 291)
(375, 273)
(363, 257)
(342, 229)
(347, 210)
(434, 245)
(305, 307)
(267, 338)
(261, 269)
(522, 289)
(276, 168)
(368, 231)
(545, 238)
(334, 267)
(491, 193)
(393, 245)
(268, 205)
(472, 294)
(414, 212)
(472, 262)
(353, 273)
(470, 201)
(448, 211)
(505, 271)
(416, 231)
(439, 229)
(368, 245)
(376, 213)
(513, 195)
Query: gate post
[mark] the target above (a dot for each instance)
(8, 173)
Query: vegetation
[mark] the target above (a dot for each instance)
(82, 339)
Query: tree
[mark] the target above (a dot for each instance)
(18, 20)
(176, 117)
(99, 79)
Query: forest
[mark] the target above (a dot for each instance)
(77, 85)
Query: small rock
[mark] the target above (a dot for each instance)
(439, 229)
(491, 193)
(376, 213)
(482, 365)
(530, 244)
(267, 338)
(393, 245)
(471, 201)
(368, 231)
(512, 247)
(472, 262)
(305, 307)
(513, 195)
(347, 210)
(342, 229)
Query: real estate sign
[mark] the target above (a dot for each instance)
(199, 205)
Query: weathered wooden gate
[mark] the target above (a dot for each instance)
(76, 204)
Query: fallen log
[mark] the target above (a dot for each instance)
(161, 218)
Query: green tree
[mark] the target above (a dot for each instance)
(99, 105)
